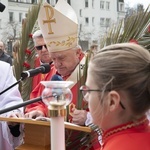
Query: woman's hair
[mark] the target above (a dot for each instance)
(16, 46)
(126, 67)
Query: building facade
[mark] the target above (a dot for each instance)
(94, 17)
(11, 20)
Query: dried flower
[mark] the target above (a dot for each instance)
(27, 51)
(25, 64)
(30, 36)
(133, 41)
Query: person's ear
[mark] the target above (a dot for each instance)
(114, 100)
(78, 51)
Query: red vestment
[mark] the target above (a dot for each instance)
(39, 77)
(37, 91)
(130, 136)
(41, 106)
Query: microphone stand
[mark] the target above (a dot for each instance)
(23, 104)
(21, 79)
(20, 105)
(32, 73)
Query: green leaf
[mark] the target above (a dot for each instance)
(133, 27)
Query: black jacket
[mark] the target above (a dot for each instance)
(7, 58)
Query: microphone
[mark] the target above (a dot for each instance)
(56, 78)
(54, 94)
(57, 92)
(44, 68)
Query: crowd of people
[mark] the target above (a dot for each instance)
(117, 88)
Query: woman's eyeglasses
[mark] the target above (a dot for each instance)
(40, 47)
(86, 91)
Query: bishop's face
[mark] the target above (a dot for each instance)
(65, 61)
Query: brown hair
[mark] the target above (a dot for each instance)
(124, 66)
(16, 46)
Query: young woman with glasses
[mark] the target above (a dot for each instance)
(118, 93)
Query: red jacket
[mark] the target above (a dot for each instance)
(40, 77)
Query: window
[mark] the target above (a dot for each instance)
(86, 21)
(20, 0)
(34, 2)
(107, 22)
(102, 21)
(26, 15)
(107, 5)
(80, 27)
(11, 16)
(86, 3)
(121, 7)
(0, 23)
(101, 4)
(93, 21)
(92, 3)
(80, 12)
(20, 17)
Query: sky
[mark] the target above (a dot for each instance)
(133, 3)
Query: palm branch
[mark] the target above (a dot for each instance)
(133, 28)
(77, 139)
(26, 51)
